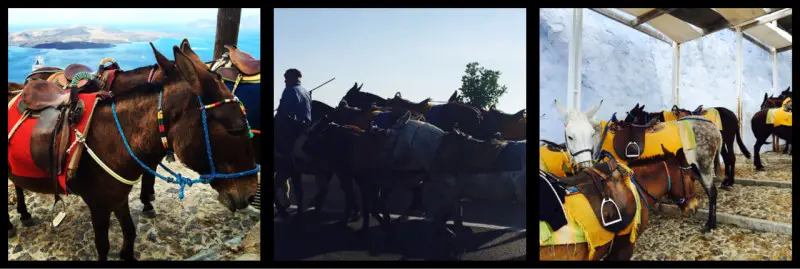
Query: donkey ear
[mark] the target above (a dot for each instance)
(518, 116)
(593, 110)
(362, 85)
(641, 108)
(354, 88)
(164, 63)
(637, 106)
(398, 95)
(453, 97)
(675, 108)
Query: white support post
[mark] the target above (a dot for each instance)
(776, 146)
(574, 69)
(774, 70)
(676, 73)
(739, 77)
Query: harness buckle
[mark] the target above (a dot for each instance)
(603, 217)
(638, 150)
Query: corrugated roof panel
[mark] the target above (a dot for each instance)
(739, 15)
(768, 34)
(674, 28)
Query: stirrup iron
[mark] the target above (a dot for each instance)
(638, 150)
(602, 216)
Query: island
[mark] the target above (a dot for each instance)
(80, 37)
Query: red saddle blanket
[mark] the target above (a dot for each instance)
(19, 146)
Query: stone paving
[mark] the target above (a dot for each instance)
(180, 230)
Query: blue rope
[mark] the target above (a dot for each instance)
(180, 179)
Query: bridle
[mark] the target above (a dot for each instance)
(177, 177)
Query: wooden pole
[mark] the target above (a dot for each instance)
(228, 20)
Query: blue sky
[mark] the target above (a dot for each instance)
(420, 52)
(112, 16)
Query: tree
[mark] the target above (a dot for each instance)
(479, 87)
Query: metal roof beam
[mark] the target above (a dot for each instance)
(652, 14)
(784, 49)
(764, 19)
(611, 15)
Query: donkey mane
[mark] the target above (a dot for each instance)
(139, 90)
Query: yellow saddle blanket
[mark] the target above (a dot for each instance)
(711, 114)
(557, 163)
(584, 227)
(674, 135)
(779, 117)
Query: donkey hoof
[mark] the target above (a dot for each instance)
(759, 168)
(29, 222)
(149, 213)
(726, 187)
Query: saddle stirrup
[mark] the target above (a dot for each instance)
(638, 150)
(603, 217)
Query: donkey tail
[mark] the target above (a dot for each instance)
(742, 147)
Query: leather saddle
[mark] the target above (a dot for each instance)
(592, 184)
(69, 73)
(629, 139)
(243, 63)
(55, 111)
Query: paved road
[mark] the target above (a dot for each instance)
(497, 233)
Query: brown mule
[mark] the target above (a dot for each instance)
(363, 100)
(444, 116)
(227, 133)
(346, 115)
(510, 126)
(775, 102)
(730, 133)
(655, 177)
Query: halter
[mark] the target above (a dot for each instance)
(178, 178)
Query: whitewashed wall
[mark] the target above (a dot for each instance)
(623, 66)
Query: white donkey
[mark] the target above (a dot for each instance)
(583, 131)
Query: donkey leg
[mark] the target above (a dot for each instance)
(128, 232)
(22, 209)
(350, 213)
(622, 249)
(757, 155)
(148, 193)
(100, 220)
(279, 177)
(297, 182)
(11, 232)
(416, 202)
(367, 199)
(323, 182)
(711, 191)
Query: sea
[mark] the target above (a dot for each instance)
(128, 56)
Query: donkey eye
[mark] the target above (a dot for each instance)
(570, 138)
